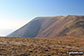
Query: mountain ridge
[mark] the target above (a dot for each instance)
(54, 26)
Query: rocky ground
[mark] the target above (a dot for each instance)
(40, 46)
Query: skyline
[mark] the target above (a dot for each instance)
(16, 13)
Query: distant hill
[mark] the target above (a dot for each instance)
(52, 27)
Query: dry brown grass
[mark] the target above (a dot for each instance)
(40, 46)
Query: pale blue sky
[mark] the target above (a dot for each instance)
(16, 13)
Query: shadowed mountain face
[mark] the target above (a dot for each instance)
(52, 27)
(29, 30)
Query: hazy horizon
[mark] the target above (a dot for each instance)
(16, 13)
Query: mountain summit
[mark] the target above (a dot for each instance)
(52, 27)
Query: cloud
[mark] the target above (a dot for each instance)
(8, 26)
(5, 32)
(11, 24)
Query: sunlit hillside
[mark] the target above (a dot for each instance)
(52, 27)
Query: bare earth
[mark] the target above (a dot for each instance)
(40, 46)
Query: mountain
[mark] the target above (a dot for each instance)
(56, 26)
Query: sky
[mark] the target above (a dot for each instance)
(16, 13)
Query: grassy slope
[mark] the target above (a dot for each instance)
(52, 27)
(40, 46)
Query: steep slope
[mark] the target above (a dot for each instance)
(52, 27)
(29, 30)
